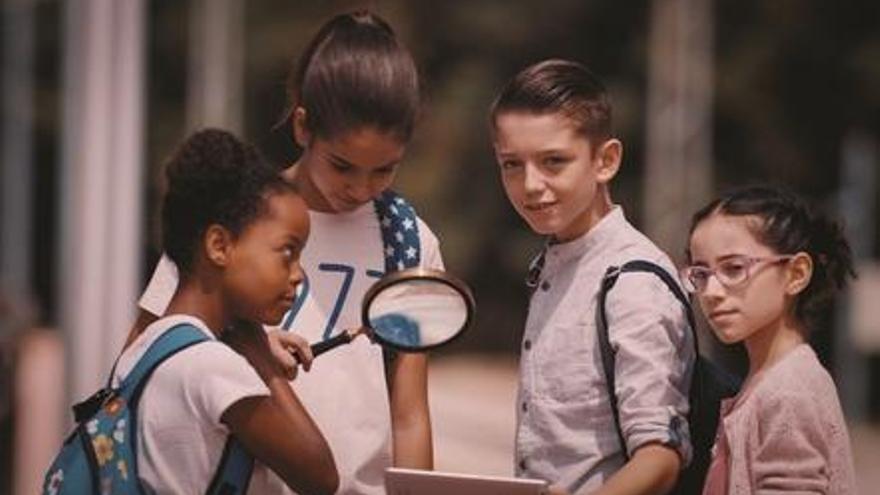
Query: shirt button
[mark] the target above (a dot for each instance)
(545, 285)
(525, 406)
(527, 344)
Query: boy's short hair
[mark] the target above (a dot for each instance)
(563, 86)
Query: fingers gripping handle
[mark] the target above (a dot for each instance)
(332, 343)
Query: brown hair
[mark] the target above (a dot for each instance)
(355, 73)
(562, 86)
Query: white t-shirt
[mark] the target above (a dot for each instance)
(345, 391)
(180, 436)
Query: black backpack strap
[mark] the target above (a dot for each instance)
(606, 351)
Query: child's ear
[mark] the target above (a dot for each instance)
(800, 271)
(300, 130)
(608, 158)
(218, 244)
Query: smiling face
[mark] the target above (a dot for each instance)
(551, 174)
(341, 173)
(263, 269)
(762, 302)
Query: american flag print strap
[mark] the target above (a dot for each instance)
(400, 232)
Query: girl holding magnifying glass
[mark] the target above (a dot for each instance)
(354, 98)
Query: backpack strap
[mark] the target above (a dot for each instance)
(174, 340)
(234, 471)
(401, 246)
(606, 351)
(168, 344)
(400, 231)
(236, 465)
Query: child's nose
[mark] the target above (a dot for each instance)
(533, 180)
(296, 274)
(360, 190)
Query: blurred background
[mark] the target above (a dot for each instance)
(707, 95)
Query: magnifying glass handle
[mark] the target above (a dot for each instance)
(331, 343)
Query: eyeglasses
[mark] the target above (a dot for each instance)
(731, 272)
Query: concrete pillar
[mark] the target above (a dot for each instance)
(102, 156)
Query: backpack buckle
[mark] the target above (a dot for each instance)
(610, 277)
(89, 407)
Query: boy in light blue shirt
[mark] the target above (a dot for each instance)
(551, 128)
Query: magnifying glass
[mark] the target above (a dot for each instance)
(411, 310)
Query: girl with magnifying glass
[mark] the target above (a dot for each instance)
(354, 98)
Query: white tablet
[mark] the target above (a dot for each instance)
(399, 481)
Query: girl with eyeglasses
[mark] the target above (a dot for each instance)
(762, 267)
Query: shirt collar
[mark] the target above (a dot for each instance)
(594, 240)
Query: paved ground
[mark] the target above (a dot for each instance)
(472, 411)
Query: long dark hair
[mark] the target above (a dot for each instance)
(788, 226)
(355, 73)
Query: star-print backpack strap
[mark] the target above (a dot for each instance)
(400, 242)
(400, 232)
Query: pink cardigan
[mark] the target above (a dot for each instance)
(786, 432)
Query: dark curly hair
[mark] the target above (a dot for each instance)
(788, 226)
(213, 178)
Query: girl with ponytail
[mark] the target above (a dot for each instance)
(762, 267)
(354, 102)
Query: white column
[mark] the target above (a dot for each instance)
(679, 149)
(216, 58)
(101, 183)
(856, 201)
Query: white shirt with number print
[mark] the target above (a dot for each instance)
(345, 391)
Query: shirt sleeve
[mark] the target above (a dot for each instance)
(430, 246)
(213, 377)
(649, 330)
(791, 455)
(161, 288)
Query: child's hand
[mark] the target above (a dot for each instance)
(249, 340)
(290, 351)
(556, 490)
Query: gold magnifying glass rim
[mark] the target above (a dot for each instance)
(419, 273)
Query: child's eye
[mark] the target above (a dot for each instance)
(509, 164)
(289, 253)
(384, 170)
(698, 275)
(732, 270)
(554, 161)
(340, 167)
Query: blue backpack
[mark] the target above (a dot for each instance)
(100, 455)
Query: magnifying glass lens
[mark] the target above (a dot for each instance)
(417, 314)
